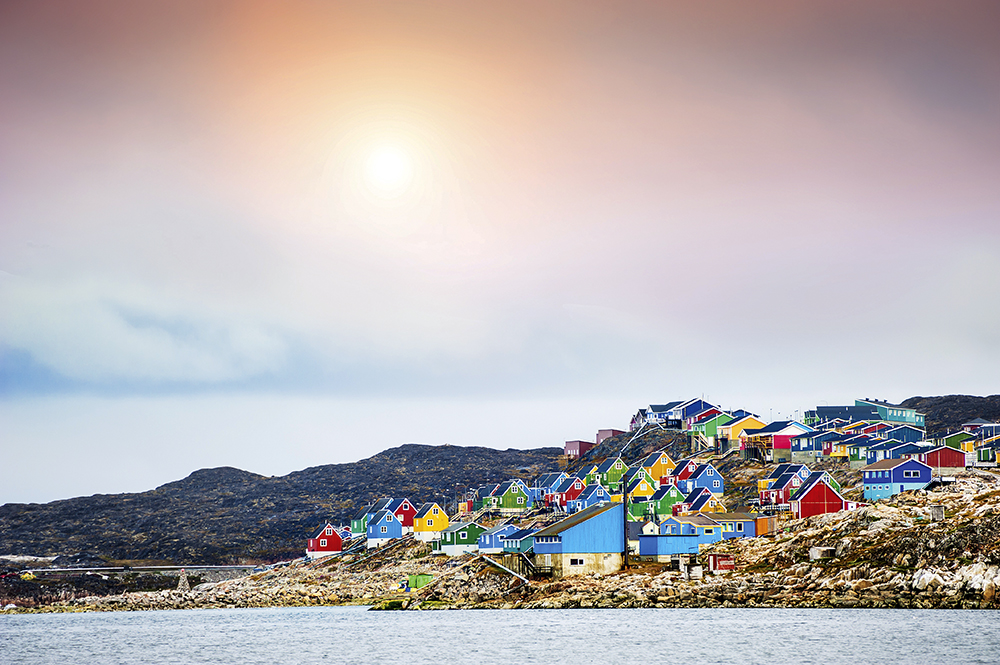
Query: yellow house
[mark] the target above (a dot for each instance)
(641, 486)
(732, 429)
(658, 465)
(429, 522)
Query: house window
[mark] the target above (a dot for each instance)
(739, 526)
(576, 562)
(434, 511)
(430, 522)
(329, 531)
(388, 518)
(520, 500)
(709, 531)
(463, 535)
(322, 543)
(385, 529)
(716, 483)
(911, 474)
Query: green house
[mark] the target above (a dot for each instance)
(955, 439)
(661, 504)
(511, 497)
(710, 426)
(610, 472)
(359, 522)
(460, 538)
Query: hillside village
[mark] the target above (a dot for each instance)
(692, 506)
(616, 502)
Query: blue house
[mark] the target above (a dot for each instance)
(680, 535)
(491, 542)
(590, 541)
(520, 541)
(383, 526)
(904, 433)
(592, 495)
(736, 525)
(892, 476)
(705, 476)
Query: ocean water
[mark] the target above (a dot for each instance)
(354, 635)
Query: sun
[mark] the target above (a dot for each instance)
(388, 171)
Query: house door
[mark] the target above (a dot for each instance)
(901, 489)
(548, 560)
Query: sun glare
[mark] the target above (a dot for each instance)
(388, 171)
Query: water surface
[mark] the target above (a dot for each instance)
(353, 635)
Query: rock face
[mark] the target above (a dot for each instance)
(885, 555)
(226, 515)
(947, 413)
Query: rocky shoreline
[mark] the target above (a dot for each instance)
(888, 555)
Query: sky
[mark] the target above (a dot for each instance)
(277, 235)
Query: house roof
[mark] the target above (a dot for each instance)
(814, 479)
(520, 534)
(459, 526)
(700, 501)
(695, 518)
(772, 428)
(576, 519)
(663, 492)
(567, 484)
(885, 464)
(733, 517)
(702, 468)
(500, 528)
(379, 516)
(591, 490)
(424, 509)
(607, 464)
(319, 531)
(783, 481)
(660, 408)
(652, 458)
(362, 512)
(549, 479)
(381, 504)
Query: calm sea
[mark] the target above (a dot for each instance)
(353, 635)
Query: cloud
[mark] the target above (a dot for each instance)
(100, 332)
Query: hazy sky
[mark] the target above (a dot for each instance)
(274, 235)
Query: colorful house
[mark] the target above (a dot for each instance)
(640, 486)
(705, 475)
(590, 541)
(680, 535)
(576, 448)
(736, 525)
(699, 500)
(904, 433)
(519, 541)
(430, 520)
(511, 496)
(958, 440)
(610, 472)
(780, 491)
(893, 413)
(568, 490)
(661, 504)
(383, 527)
(771, 443)
(591, 495)
(641, 528)
(816, 497)
(404, 512)
(325, 541)
(460, 538)
(730, 432)
(764, 483)
(943, 460)
(658, 465)
(359, 522)
(892, 476)
(491, 541)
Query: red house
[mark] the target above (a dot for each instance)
(404, 512)
(575, 449)
(568, 490)
(943, 461)
(324, 542)
(816, 497)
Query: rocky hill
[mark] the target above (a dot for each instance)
(227, 515)
(889, 554)
(948, 412)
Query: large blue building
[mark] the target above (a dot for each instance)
(590, 541)
(892, 476)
